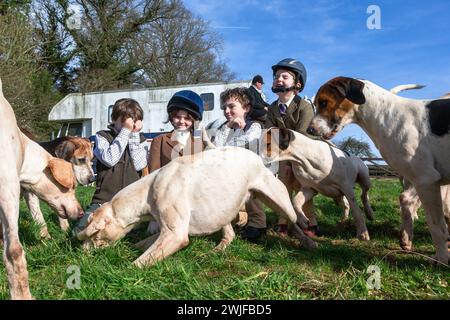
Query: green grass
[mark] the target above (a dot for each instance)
(275, 268)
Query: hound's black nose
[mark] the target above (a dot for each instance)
(311, 131)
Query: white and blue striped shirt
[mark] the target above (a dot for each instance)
(110, 154)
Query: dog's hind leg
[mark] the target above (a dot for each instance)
(364, 181)
(227, 237)
(147, 242)
(274, 194)
(430, 196)
(361, 229)
(32, 202)
(445, 192)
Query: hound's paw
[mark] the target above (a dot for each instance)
(44, 234)
(138, 263)
(309, 244)
(406, 246)
(405, 243)
(221, 246)
(64, 224)
(364, 236)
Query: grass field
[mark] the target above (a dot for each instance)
(275, 268)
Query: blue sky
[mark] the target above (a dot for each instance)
(332, 39)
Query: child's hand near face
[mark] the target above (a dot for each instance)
(128, 123)
(138, 126)
(236, 123)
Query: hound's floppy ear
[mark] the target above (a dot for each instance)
(96, 222)
(65, 150)
(82, 146)
(351, 89)
(62, 172)
(286, 136)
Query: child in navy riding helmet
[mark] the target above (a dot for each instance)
(185, 111)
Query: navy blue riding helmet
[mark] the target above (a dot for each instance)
(187, 100)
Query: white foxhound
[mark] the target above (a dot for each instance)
(412, 136)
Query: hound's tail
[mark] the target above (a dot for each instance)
(404, 87)
(1, 89)
(206, 140)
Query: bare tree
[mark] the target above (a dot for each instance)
(181, 50)
(14, 6)
(118, 44)
(355, 147)
(123, 43)
(26, 85)
(97, 52)
(56, 48)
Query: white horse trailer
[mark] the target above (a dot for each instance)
(83, 114)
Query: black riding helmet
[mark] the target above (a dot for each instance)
(296, 67)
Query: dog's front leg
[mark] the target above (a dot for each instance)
(343, 203)
(227, 236)
(14, 255)
(303, 204)
(409, 203)
(174, 236)
(32, 202)
(63, 224)
(1, 234)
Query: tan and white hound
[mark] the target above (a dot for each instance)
(25, 164)
(192, 195)
(75, 150)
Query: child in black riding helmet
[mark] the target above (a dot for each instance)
(292, 112)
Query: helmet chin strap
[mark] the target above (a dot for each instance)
(283, 89)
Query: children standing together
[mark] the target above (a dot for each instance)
(122, 152)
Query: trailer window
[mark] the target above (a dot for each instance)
(63, 131)
(75, 129)
(110, 107)
(208, 101)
